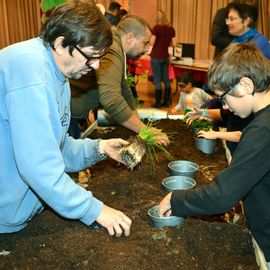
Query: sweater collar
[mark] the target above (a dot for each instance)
(246, 37)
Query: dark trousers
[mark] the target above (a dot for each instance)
(160, 69)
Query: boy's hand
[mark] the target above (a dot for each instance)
(165, 206)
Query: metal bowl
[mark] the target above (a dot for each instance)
(159, 222)
(183, 168)
(172, 183)
(204, 145)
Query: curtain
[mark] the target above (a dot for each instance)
(19, 20)
(263, 20)
(192, 19)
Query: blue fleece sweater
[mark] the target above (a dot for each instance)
(252, 35)
(35, 150)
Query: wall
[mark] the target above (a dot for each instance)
(144, 8)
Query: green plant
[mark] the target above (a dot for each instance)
(131, 80)
(152, 144)
(185, 112)
(200, 124)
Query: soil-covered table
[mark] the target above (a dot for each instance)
(51, 242)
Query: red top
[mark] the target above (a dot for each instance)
(164, 35)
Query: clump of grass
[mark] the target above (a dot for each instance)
(145, 142)
(152, 145)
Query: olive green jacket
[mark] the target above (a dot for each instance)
(106, 86)
(115, 95)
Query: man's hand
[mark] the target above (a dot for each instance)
(165, 206)
(161, 137)
(112, 147)
(114, 221)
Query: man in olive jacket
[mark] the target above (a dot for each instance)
(130, 39)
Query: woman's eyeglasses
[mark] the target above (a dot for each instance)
(231, 19)
(90, 59)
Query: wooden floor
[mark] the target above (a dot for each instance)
(146, 92)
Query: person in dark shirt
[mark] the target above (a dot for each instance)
(241, 74)
(113, 12)
(220, 36)
(122, 13)
(162, 37)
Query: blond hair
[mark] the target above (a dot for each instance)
(162, 18)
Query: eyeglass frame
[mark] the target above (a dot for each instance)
(231, 19)
(90, 59)
(221, 98)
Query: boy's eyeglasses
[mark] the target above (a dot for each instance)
(90, 59)
(222, 99)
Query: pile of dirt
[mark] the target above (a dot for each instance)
(51, 242)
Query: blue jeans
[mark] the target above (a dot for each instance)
(160, 67)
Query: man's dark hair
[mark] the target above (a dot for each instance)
(114, 6)
(80, 23)
(122, 13)
(238, 61)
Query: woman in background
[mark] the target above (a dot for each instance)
(241, 22)
(162, 37)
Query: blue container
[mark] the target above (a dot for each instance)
(183, 168)
(177, 182)
(159, 222)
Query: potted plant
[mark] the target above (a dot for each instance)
(204, 145)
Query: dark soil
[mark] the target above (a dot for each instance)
(50, 242)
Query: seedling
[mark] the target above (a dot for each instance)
(200, 124)
(145, 142)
